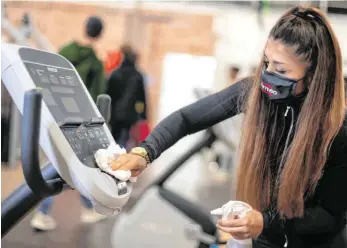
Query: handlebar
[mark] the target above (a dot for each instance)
(103, 102)
(19, 203)
(30, 148)
(39, 184)
(206, 141)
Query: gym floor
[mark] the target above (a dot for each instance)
(194, 181)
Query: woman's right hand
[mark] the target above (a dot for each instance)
(135, 163)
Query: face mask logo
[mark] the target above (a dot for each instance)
(267, 89)
(278, 88)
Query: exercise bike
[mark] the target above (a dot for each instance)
(59, 115)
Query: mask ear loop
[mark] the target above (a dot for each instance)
(296, 84)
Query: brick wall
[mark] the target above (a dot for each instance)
(179, 32)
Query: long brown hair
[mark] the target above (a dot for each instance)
(321, 116)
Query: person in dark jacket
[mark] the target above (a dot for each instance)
(293, 149)
(127, 91)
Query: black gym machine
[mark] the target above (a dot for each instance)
(39, 184)
(47, 182)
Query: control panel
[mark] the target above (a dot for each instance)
(65, 96)
(85, 141)
(62, 92)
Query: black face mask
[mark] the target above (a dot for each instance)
(280, 89)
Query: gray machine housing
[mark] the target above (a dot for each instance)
(72, 128)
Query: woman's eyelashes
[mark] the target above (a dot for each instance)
(277, 70)
(281, 72)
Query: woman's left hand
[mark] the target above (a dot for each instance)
(250, 226)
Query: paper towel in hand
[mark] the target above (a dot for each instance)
(104, 158)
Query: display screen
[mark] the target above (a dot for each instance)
(62, 92)
(70, 105)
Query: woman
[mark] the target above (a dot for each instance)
(293, 151)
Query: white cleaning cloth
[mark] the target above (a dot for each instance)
(104, 158)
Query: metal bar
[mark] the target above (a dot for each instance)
(41, 41)
(103, 102)
(30, 145)
(14, 144)
(17, 205)
(14, 136)
(17, 36)
(206, 141)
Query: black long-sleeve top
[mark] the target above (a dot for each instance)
(325, 211)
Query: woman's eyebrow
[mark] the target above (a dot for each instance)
(275, 61)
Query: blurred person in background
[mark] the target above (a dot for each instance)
(82, 55)
(141, 129)
(292, 159)
(127, 90)
(112, 62)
